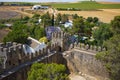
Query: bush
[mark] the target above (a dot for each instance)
(2, 26)
(40, 71)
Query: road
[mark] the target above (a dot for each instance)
(13, 70)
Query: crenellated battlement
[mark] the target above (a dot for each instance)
(82, 46)
(59, 34)
(12, 54)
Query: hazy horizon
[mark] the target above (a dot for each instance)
(54, 0)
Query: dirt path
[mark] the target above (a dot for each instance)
(17, 9)
(76, 77)
(24, 13)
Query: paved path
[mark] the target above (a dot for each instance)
(13, 70)
(84, 51)
(76, 77)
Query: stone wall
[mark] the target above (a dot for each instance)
(84, 63)
(22, 73)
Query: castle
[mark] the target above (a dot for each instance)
(12, 54)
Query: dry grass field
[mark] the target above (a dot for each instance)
(105, 2)
(105, 15)
(13, 11)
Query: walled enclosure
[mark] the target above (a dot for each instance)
(80, 57)
(81, 60)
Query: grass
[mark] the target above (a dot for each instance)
(81, 5)
(86, 5)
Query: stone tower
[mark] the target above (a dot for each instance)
(61, 38)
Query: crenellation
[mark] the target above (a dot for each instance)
(11, 49)
(8, 44)
(87, 47)
(1, 49)
(78, 45)
(20, 46)
(71, 46)
(31, 56)
(14, 43)
(58, 34)
(39, 52)
(91, 47)
(42, 51)
(95, 48)
(1, 44)
(15, 47)
(27, 57)
(82, 46)
(36, 53)
(99, 48)
(62, 34)
(75, 44)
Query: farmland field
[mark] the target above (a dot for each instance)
(7, 12)
(86, 5)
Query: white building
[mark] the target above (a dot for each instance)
(36, 7)
(68, 24)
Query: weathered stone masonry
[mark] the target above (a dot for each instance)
(80, 57)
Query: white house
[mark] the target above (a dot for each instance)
(36, 7)
(68, 24)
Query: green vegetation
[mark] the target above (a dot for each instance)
(43, 39)
(111, 57)
(102, 33)
(40, 71)
(2, 26)
(23, 28)
(86, 5)
(18, 34)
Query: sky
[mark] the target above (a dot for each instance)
(52, 0)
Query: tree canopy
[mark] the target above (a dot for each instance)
(102, 33)
(111, 57)
(40, 71)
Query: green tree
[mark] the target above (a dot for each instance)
(75, 16)
(26, 18)
(88, 28)
(95, 19)
(46, 20)
(102, 33)
(18, 34)
(40, 71)
(89, 19)
(64, 18)
(58, 19)
(1, 3)
(116, 25)
(78, 25)
(111, 57)
(36, 16)
(38, 32)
